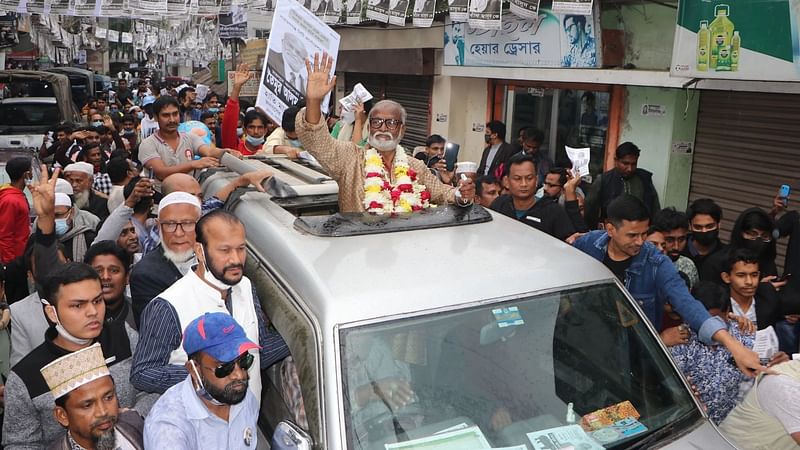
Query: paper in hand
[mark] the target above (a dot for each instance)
(360, 94)
(580, 160)
(766, 343)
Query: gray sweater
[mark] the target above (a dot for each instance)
(29, 421)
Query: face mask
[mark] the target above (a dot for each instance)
(213, 110)
(254, 141)
(209, 277)
(63, 331)
(757, 246)
(140, 115)
(128, 132)
(487, 138)
(61, 227)
(239, 132)
(201, 391)
(705, 238)
(295, 143)
(97, 123)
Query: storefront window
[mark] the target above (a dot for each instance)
(567, 117)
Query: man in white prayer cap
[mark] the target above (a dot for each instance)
(81, 176)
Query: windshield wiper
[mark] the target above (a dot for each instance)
(654, 436)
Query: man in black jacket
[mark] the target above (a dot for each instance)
(751, 298)
(624, 178)
(497, 150)
(544, 214)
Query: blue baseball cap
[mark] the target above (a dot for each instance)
(148, 100)
(217, 334)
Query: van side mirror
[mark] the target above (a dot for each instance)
(289, 436)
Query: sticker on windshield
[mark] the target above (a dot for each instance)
(507, 317)
(621, 429)
(563, 437)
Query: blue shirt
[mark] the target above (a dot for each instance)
(180, 420)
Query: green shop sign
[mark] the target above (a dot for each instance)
(738, 39)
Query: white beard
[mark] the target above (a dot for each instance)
(81, 199)
(183, 260)
(382, 145)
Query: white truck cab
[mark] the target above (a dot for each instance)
(450, 329)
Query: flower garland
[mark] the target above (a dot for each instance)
(381, 197)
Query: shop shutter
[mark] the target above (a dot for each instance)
(413, 92)
(746, 147)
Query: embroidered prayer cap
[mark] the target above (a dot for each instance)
(217, 334)
(466, 167)
(82, 167)
(178, 197)
(63, 187)
(72, 371)
(63, 200)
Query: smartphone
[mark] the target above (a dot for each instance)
(451, 155)
(782, 278)
(783, 194)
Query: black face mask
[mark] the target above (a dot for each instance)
(487, 138)
(705, 238)
(757, 246)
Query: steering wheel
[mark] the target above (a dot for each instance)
(395, 423)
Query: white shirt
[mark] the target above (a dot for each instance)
(490, 158)
(749, 315)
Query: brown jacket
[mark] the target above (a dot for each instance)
(130, 425)
(344, 161)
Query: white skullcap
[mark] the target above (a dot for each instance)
(63, 200)
(252, 108)
(82, 167)
(178, 197)
(63, 187)
(466, 167)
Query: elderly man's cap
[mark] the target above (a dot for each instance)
(63, 187)
(176, 198)
(72, 371)
(82, 167)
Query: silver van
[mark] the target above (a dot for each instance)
(450, 329)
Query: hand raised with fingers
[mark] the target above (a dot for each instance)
(242, 74)
(43, 194)
(320, 81)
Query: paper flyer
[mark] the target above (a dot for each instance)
(378, 10)
(582, 7)
(580, 159)
(296, 34)
(485, 14)
(423, 13)
(526, 9)
(458, 10)
(397, 12)
(562, 438)
(468, 438)
(766, 343)
(355, 10)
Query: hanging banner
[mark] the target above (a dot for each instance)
(378, 10)
(38, 6)
(113, 36)
(111, 8)
(333, 11)
(397, 12)
(423, 12)
(9, 5)
(485, 14)
(85, 8)
(580, 7)
(296, 34)
(8, 31)
(62, 7)
(177, 7)
(207, 7)
(527, 9)
(459, 10)
(738, 39)
(234, 24)
(355, 11)
(553, 40)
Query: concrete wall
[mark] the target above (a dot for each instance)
(655, 135)
(463, 101)
(649, 31)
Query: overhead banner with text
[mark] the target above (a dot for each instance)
(738, 39)
(550, 40)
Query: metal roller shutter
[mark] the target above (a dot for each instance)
(413, 92)
(746, 147)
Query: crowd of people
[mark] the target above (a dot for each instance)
(104, 351)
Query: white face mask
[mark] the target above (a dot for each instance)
(63, 331)
(209, 277)
(201, 391)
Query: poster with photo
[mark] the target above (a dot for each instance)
(62, 7)
(38, 6)
(580, 7)
(112, 36)
(485, 14)
(378, 10)
(296, 34)
(333, 11)
(111, 8)
(85, 7)
(8, 30)
(234, 24)
(9, 5)
(459, 10)
(149, 5)
(424, 11)
(355, 11)
(527, 9)
(397, 12)
(207, 7)
(578, 43)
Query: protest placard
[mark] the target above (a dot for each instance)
(297, 34)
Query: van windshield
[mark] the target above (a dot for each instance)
(576, 367)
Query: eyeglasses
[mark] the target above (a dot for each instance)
(752, 235)
(391, 124)
(225, 369)
(171, 227)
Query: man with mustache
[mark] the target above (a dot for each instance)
(212, 407)
(345, 161)
(87, 405)
(216, 283)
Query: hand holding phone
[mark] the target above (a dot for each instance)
(783, 194)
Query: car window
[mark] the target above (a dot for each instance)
(29, 114)
(577, 365)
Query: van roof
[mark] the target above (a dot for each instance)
(357, 278)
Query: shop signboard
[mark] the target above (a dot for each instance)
(738, 39)
(549, 40)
